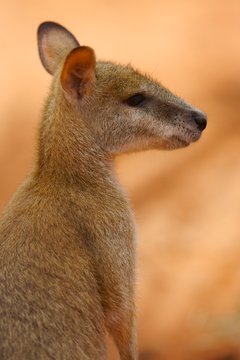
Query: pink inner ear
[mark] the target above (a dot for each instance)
(78, 73)
(54, 43)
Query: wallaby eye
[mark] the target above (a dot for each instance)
(135, 99)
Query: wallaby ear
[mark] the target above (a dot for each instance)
(78, 74)
(54, 42)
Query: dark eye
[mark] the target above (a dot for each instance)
(135, 99)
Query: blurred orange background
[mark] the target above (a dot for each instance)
(187, 202)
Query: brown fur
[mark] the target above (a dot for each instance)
(67, 238)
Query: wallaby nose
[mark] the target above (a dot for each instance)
(200, 119)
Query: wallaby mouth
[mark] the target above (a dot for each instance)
(189, 132)
(180, 142)
(187, 136)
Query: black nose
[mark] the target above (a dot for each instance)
(200, 119)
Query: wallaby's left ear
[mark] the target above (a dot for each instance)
(54, 43)
(78, 74)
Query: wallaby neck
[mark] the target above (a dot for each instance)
(66, 150)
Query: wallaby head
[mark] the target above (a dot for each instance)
(122, 109)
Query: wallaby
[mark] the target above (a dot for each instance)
(67, 238)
